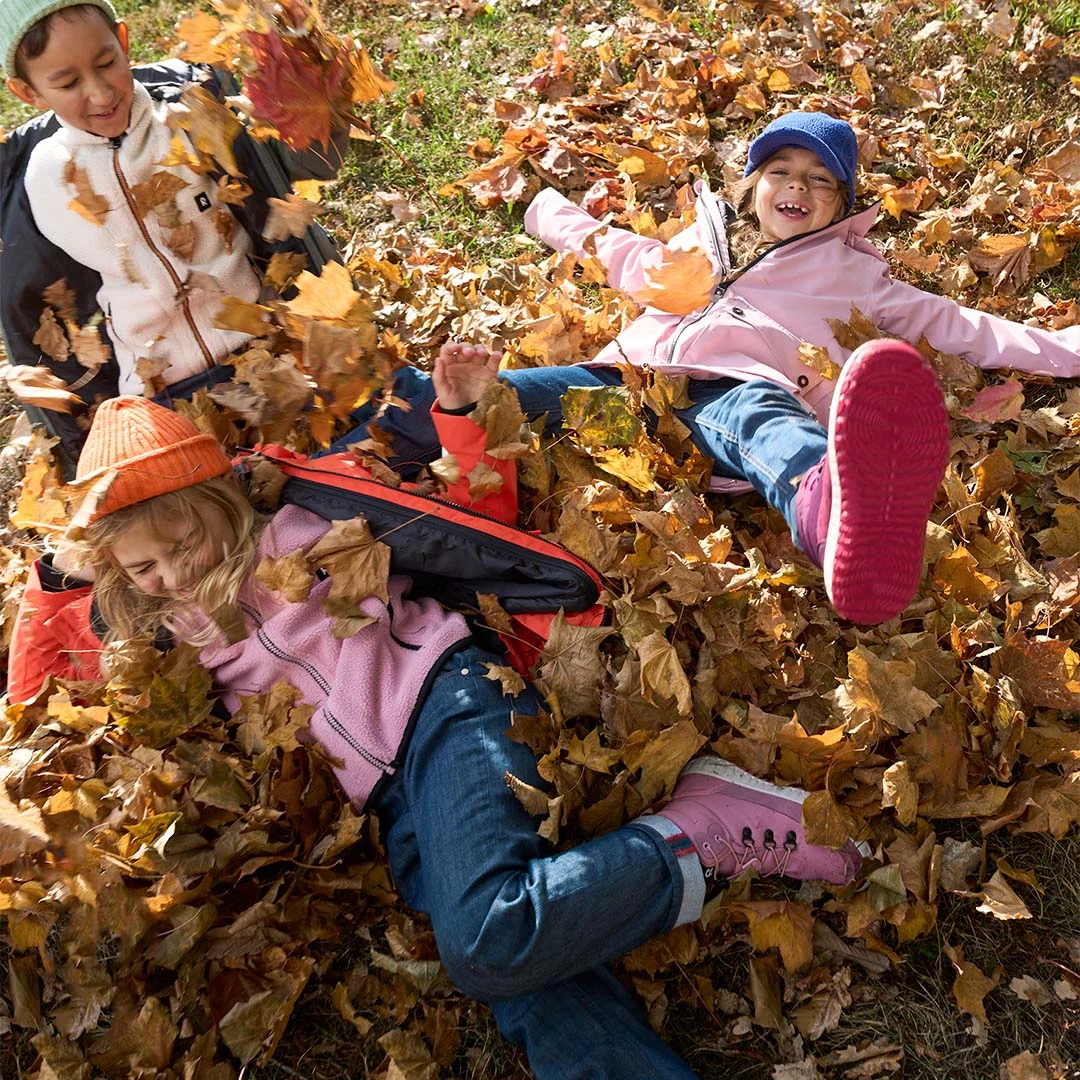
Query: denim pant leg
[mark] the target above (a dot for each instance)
(540, 390)
(512, 920)
(756, 431)
(415, 440)
(588, 1028)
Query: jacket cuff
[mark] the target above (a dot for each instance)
(53, 580)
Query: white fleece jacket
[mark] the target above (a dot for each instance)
(160, 303)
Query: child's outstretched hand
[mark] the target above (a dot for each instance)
(462, 373)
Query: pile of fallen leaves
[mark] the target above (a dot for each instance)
(175, 877)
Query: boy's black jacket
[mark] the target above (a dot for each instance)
(29, 263)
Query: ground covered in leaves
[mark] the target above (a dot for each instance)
(187, 896)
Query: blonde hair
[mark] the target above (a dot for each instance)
(128, 612)
(745, 237)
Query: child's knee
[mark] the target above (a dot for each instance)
(487, 960)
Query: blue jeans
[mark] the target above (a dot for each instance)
(755, 431)
(525, 930)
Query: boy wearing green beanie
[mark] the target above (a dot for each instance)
(81, 202)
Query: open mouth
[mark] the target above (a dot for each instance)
(792, 210)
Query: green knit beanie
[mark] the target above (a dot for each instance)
(18, 16)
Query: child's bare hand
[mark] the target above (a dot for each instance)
(462, 373)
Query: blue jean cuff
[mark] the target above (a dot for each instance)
(687, 864)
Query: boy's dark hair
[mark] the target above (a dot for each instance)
(35, 41)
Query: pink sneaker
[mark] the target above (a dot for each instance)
(862, 510)
(734, 820)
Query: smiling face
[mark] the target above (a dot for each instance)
(168, 558)
(795, 194)
(82, 74)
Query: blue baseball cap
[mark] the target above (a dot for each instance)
(832, 140)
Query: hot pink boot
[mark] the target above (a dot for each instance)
(734, 820)
(862, 510)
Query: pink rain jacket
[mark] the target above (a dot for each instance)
(753, 327)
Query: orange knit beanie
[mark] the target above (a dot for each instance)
(150, 450)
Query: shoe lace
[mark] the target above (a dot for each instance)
(770, 858)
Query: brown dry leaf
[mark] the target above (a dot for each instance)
(211, 126)
(50, 337)
(500, 415)
(39, 386)
(160, 189)
(358, 564)
(879, 697)
(509, 680)
(243, 316)
(283, 269)
(60, 296)
(782, 924)
(971, 985)
(22, 829)
(290, 216)
(571, 667)
(289, 575)
(855, 332)
(88, 204)
(900, 791)
(231, 191)
(681, 284)
(1007, 258)
(1024, 1066)
(181, 240)
(89, 348)
(826, 822)
(999, 900)
(662, 674)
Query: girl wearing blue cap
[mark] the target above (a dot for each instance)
(853, 463)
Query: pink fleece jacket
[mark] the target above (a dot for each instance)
(366, 689)
(752, 328)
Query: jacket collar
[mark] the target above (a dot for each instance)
(142, 114)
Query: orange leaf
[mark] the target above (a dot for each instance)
(682, 283)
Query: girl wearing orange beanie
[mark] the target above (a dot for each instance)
(420, 735)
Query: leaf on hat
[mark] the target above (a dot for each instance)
(87, 203)
(358, 564)
(91, 491)
(290, 216)
(681, 284)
